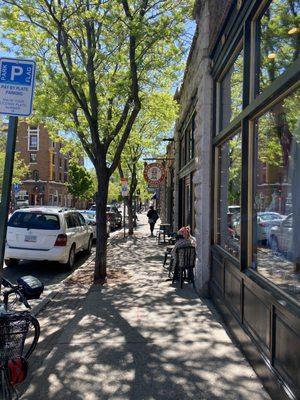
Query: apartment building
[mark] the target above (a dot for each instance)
(45, 183)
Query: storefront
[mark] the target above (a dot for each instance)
(240, 180)
(186, 144)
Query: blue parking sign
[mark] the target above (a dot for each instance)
(16, 86)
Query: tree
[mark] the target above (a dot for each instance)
(153, 122)
(80, 182)
(20, 168)
(96, 60)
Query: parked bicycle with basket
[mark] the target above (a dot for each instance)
(19, 333)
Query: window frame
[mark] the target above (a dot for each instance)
(244, 29)
(33, 132)
(30, 158)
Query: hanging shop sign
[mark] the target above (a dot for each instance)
(154, 174)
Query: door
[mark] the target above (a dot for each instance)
(84, 231)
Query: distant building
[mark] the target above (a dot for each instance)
(45, 183)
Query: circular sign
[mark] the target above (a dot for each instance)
(154, 174)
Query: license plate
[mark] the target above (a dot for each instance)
(30, 238)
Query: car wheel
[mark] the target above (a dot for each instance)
(274, 244)
(71, 261)
(89, 246)
(12, 262)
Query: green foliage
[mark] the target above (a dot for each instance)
(152, 125)
(80, 182)
(20, 168)
(86, 71)
(280, 36)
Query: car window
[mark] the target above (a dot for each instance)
(81, 219)
(70, 221)
(288, 222)
(34, 220)
(76, 219)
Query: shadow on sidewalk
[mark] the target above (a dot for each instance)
(137, 339)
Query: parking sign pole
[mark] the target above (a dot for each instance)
(6, 184)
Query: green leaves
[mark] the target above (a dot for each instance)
(80, 182)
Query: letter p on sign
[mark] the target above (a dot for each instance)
(15, 71)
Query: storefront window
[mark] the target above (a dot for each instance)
(232, 91)
(279, 39)
(230, 166)
(277, 196)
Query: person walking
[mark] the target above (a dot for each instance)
(152, 218)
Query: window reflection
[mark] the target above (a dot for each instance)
(232, 91)
(230, 166)
(279, 39)
(277, 197)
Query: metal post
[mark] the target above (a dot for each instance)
(6, 184)
(124, 218)
(135, 210)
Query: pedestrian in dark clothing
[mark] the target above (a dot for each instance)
(152, 218)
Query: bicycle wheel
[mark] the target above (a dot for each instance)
(7, 391)
(34, 323)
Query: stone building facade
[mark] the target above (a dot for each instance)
(236, 177)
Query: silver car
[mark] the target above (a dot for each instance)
(281, 236)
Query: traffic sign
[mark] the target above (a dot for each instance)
(16, 86)
(124, 184)
(16, 187)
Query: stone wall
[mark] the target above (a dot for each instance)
(197, 90)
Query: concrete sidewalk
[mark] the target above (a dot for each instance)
(137, 338)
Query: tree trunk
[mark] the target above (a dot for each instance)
(101, 243)
(130, 215)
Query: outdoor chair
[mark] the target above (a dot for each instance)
(184, 265)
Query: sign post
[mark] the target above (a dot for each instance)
(16, 95)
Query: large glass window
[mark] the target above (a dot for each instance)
(277, 194)
(230, 166)
(279, 29)
(232, 91)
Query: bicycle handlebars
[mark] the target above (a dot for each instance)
(27, 287)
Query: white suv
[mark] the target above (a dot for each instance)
(45, 233)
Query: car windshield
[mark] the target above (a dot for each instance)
(34, 220)
(268, 217)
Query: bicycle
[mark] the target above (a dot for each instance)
(15, 327)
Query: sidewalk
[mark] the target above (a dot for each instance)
(137, 338)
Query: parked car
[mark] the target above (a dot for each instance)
(114, 216)
(281, 236)
(265, 221)
(46, 234)
(91, 220)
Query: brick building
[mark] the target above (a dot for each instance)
(45, 183)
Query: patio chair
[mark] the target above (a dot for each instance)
(184, 265)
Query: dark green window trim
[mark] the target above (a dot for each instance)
(281, 86)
